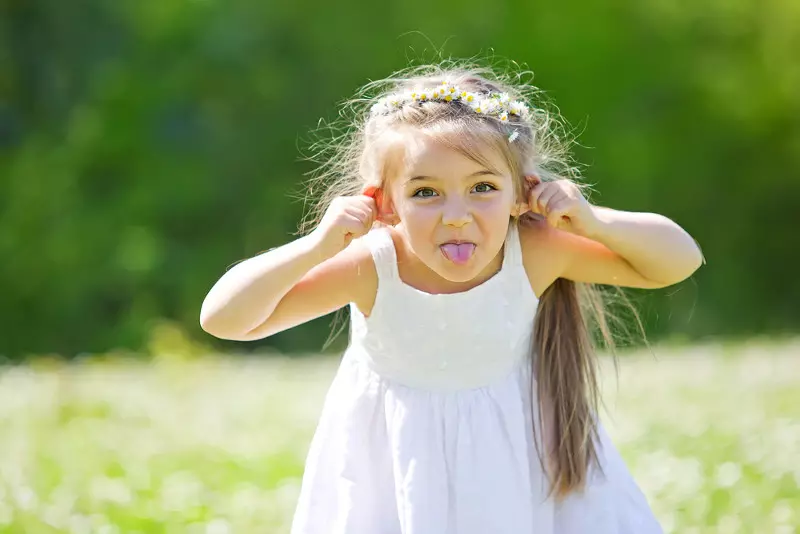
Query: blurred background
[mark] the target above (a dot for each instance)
(145, 146)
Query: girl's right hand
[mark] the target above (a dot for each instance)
(347, 218)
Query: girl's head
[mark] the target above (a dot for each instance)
(448, 149)
(451, 175)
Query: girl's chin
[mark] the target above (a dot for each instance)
(457, 272)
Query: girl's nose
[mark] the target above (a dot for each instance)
(456, 213)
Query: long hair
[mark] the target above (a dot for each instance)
(571, 317)
(572, 323)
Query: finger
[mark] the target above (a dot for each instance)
(355, 220)
(530, 185)
(546, 198)
(521, 208)
(375, 193)
(366, 203)
(533, 198)
(372, 214)
(355, 229)
(558, 212)
(555, 200)
(363, 213)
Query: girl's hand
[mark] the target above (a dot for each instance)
(562, 204)
(346, 219)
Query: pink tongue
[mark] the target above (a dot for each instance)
(458, 253)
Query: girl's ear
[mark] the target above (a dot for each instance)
(384, 206)
(529, 181)
(386, 213)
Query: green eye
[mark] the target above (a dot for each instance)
(424, 192)
(484, 187)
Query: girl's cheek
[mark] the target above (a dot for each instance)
(493, 205)
(421, 210)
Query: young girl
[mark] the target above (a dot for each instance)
(467, 399)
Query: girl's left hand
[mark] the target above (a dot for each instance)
(562, 204)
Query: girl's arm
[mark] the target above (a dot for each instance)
(248, 293)
(641, 250)
(656, 247)
(300, 281)
(286, 287)
(601, 245)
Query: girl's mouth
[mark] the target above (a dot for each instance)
(459, 252)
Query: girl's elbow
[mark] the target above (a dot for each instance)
(212, 322)
(687, 270)
(211, 326)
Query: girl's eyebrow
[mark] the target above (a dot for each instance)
(482, 172)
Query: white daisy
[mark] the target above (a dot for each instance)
(497, 105)
(519, 108)
(491, 105)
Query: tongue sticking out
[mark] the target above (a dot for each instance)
(458, 253)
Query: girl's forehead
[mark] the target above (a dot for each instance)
(445, 153)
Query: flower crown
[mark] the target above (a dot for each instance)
(493, 104)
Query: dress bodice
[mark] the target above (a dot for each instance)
(445, 341)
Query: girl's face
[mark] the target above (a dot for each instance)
(453, 212)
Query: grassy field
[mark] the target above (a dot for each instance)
(216, 445)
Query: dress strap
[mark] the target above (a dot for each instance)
(512, 254)
(381, 246)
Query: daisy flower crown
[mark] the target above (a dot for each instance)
(493, 104)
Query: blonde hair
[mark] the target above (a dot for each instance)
(571, 317)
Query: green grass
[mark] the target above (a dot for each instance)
(216, 445)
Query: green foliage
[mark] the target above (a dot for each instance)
(147, 145)
(218, 445)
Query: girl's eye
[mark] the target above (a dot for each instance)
(483, 187)
(424, 192)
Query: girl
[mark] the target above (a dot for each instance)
(467, 399)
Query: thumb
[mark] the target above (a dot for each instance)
(374, 192)
(521, 208)
(556, 218)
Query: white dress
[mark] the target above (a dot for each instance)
(426, 428)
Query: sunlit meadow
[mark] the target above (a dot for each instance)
(216, 445)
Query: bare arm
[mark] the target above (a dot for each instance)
(249, 292)
(602, 245)
(639, 250)
(299, 281)
(652, 245)
(278, 291)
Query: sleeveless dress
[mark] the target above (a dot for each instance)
(427, 426)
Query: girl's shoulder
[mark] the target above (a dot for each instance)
(363, 271)
(542, 254)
